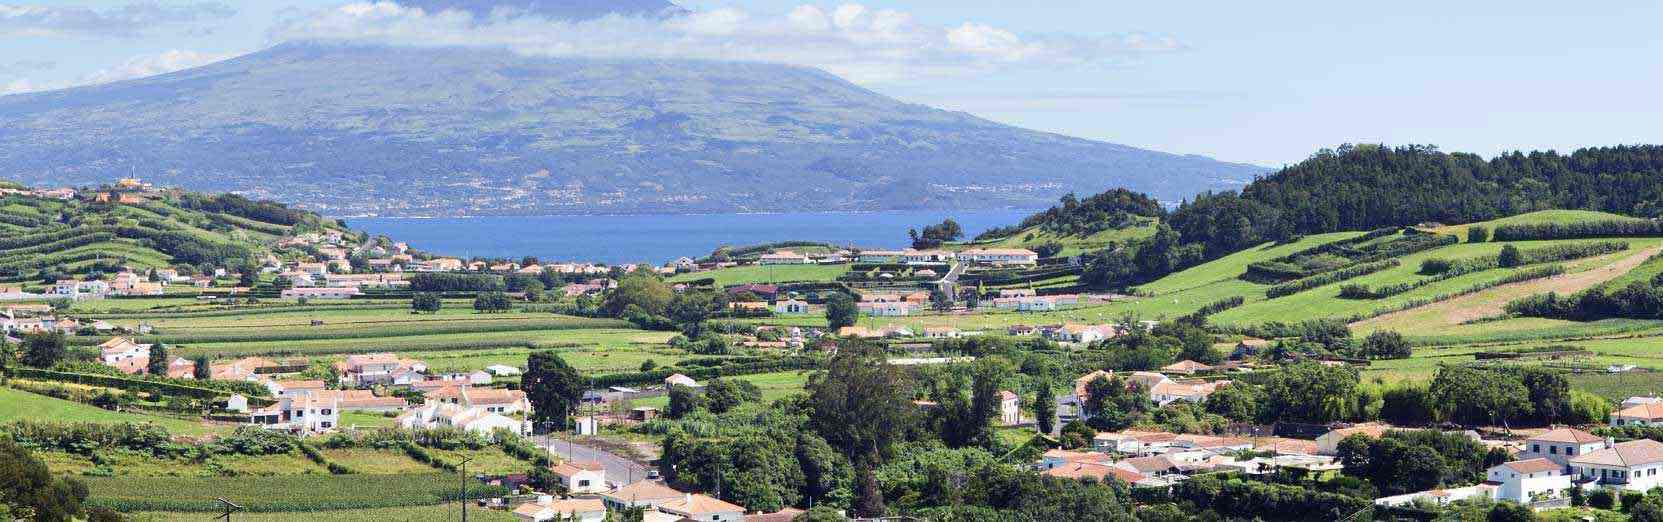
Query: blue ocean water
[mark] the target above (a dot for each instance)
(661, 238)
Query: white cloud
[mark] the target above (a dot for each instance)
(153, 64)
(140, 66)
(132, 19)
(851, 40)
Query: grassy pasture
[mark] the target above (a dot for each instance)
(16, 405)
(766, 274)
(271, 494)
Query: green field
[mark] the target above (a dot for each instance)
(16, 405)
(1072, 245)
(291, 493)
(776, 385)
(766, 274)
(451, 511)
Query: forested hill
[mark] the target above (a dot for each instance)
(1370, 186)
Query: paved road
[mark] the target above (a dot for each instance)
(619, 470)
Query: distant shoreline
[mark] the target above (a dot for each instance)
(674, 214)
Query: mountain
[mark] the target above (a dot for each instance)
(356, 129)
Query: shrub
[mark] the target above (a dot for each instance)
(1477, 234)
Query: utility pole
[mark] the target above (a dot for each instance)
(464, 484)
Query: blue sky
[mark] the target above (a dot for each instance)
(1264, 83)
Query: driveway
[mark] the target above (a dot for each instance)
(619, 470)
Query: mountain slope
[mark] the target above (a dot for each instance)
(356, 129)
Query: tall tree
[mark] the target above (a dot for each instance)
(841, 310)
(157, 365)
(201, 368)
(426, 302)
(861, 403)
(868, 494)
(30, 492)
(43, 350)
(1045, 408)
(553, 387)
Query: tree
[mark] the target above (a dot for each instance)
(1045, 408)
(552, 386)
(1477, 396)
(157, 365)
(868, 495)
(1386, 344)
(492, 302)
(201, 368)
(1477, 234)
(8, 355)
(29, 491)
(940, 301)
(1310, 392)
(841, 311)
(722, 395)
(642, 290)
(425, 302)
(1648, 510)
(648, 365)
(820, 514)
(1511, 512)
(43, 350)
(1111, 267)
(861, 403)
(683, 400)
(1510, 256)
(1602, 498)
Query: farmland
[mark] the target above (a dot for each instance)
(15, 405)
(766, 274)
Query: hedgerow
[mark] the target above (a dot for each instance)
(1328, 278)
(1580, 229)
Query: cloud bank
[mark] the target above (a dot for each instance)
(140, 66)
(859, 43)
(127, 21)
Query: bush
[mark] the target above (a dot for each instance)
(1327, 278)
(1582, 229)
(1600, 498)
(1477, 234)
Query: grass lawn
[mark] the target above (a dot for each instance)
(1071, 245)
(451, 511)
(365, 419)
(775, 386)
(18, 405)
(374, 462)
(490, 460)
(766, 274)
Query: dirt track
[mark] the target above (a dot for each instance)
(1490, 302)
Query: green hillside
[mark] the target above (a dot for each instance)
(46, 238)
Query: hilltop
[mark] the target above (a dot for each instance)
(59, 233)
(348, 129)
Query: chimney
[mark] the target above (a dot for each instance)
(1610, 442)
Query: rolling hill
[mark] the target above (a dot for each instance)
(355, 129)
(43, 238)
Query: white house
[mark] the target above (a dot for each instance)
(581, 477)
(880, 256)
(502, 370)
(999, 256)
(1010, 408)
(1643, 414)
(791, 307)
(681, 380)
(645, 493)
(236, 403)
(1528, 481)
(702, 508)
(474, 420)
(305, 415)
(123, 354)
(784, 257)
(887, 309)
(322, 293)
(1561, 445)
(1631, 465)
(546, 508)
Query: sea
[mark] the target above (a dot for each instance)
(658, 239)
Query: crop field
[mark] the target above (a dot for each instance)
(451, 511)
(588, 358)
(270, 494)
(15, 404)
(374, 462)
(766, 274)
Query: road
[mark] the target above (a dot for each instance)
(619, 470)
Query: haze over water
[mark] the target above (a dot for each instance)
(660, 238)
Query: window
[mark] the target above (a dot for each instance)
(582, 483)
(1553, 450)
(1535, 448)
(1570, 450)
(326, 425)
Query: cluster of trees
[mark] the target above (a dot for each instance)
(1072, 217)
(263, 211)
(454, 282)
(1406, 461)
(1148, 259)
(1580, 229)
(718, 396)
(1313, 393)
(934, 235)
(29, 491)
(1637, 300)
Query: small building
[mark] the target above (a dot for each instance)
(546, 509)
(1010, 408)
(645, 494)
(999, 256)
(681, 380)
(1561, 445)
(581, 477)
(1631, 465)
(322, 293)
(1644, 414)
(791, 307)
(1529, 481)
(784, 257)
(701, 508)
(123, 354)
